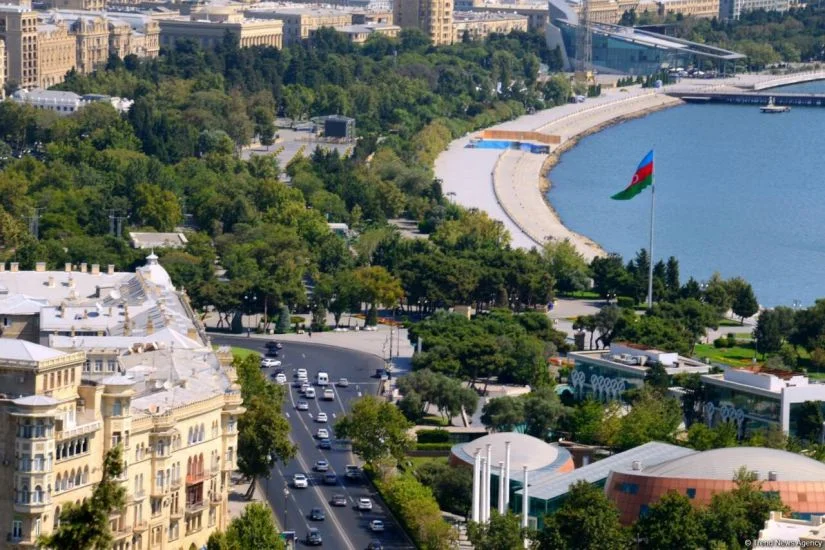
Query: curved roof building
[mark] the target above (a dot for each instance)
(799, 480)
(527, 450)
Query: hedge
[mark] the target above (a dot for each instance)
(433, 436)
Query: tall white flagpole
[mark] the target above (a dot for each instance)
(650, 249)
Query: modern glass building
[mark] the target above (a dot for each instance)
(626, 50)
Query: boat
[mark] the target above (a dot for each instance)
(772, 108)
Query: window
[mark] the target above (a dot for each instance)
(6, 322)
(98, 365)
(17, 529)
(691, 492)
(643, 510)
(117, 408)
(37, 527)
(111, 365)
(629, 488)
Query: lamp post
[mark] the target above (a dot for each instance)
(286, 508)
(250, 302)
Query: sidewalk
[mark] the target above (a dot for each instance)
(237, 496)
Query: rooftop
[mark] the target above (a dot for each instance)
(548, 487)
(635, 358)
(722, 464)
(166, 337)
(524, 450)
(151, 240)
(470, 16)
(21, 350)
(656, 40)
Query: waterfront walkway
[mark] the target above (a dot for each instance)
(510, 186)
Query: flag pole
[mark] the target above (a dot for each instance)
(650, 249)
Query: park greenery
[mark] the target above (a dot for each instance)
(377, 430)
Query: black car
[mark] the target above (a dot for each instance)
(272, 344)
(330, 479)
(325, 443)
(375, 545)
(313, 537)
(317, 514)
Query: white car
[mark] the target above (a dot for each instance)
(377, 526)
(280, 378)
(310, 393)
(300, 481)
(321, 466)
(343, 383)
(322, 433)
(301, 373)
(302, 406)
(364, 504)
(321, 417)
(267, 362)
(303, 389)
(329, 395)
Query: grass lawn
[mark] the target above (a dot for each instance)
(729, 323)
(581, 295)
(739, 356)
(434, 420)
(240, 353)
(413, 463)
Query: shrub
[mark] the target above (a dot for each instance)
(417, 511)
(372, 317)
(720, 342)
(433, 436)
(731, 340)
(625, 301)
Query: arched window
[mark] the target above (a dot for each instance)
(57, 484)
(24, 494)
(117, 408)
(85, 475)
(203, 433)
(57, 517)
(189, 466)
(38, 494)
(200, 463)
(85, 445)
(190, 436)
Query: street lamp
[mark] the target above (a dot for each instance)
(286, 495)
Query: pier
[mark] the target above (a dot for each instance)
(751, 98)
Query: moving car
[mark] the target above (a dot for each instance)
(329, 395)
(280, 378)
(375, 545)
(274, 345)
(300, 373)
(310, 393)
(364, 504)
(302, 406)
(339, 500)
(322, 433)
(268, 362)
(330, 479)
(322, 379)
(353, 472)
(313, 537)
(343, 383)
(376, 526)
(304, 387)
(317, 514)
(325, 444)
(321, 417)
(321, 465)
(300, 481)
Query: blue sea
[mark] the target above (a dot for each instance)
(737, 191)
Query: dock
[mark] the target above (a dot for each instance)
(751, 98)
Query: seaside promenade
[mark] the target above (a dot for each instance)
(511, 185)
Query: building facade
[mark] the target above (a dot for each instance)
(732, 9)
(536, 13)
(433, 17)
(163, 396)
(299, 22)
(209, 28)
(478, 26)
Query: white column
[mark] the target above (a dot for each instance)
(507, 475)
(482, 490)
(500, 487)
(525, 500)
(476, 485)
(488, 482)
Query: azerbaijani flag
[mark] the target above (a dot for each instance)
(641, 179)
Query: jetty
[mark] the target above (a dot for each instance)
(750, 98)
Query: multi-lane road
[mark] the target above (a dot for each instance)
(345, 528)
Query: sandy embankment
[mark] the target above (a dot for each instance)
(511, 185)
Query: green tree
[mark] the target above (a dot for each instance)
(452, 487)
(768, 332)
(503, 414)
(85, 526)
(502, 532)
(253, 529)
(377, 430)
(652, 417)
(568, 267)
(809, 425)
(284, 325)
(586, 521)
(703, 438)
(157, 207)
(378, 286)
(672, 522)
(585, 421)
(743, 301)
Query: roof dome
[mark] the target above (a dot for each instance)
(722, 464)
(525, 450)
(156, 273)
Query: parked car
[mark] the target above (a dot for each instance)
(364, 504)
(300, 481)
(313, 537)
(329, 395)
(302, 406)
(330, 479)
(321, 465)
(317, 514)
(343, 383)
(321, 417)
(322, 433)
(339, 500)
(377, 526)
(268, 362)
(325, 444)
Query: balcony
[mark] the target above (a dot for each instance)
(160, 490)
(176, 483)
(176, 513)
(194, 507)
(31, 505)
(194, 479)
(137, 496)
(121, 532)
(141, 526)
(215, 498)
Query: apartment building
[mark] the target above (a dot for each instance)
(433, 17)
(300, 21)
(479, 26)
(536, 13)
(209, 26)
(732, 9)
(358, 34)
(41, 47)
(163, 396)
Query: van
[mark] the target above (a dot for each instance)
(322, 379)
